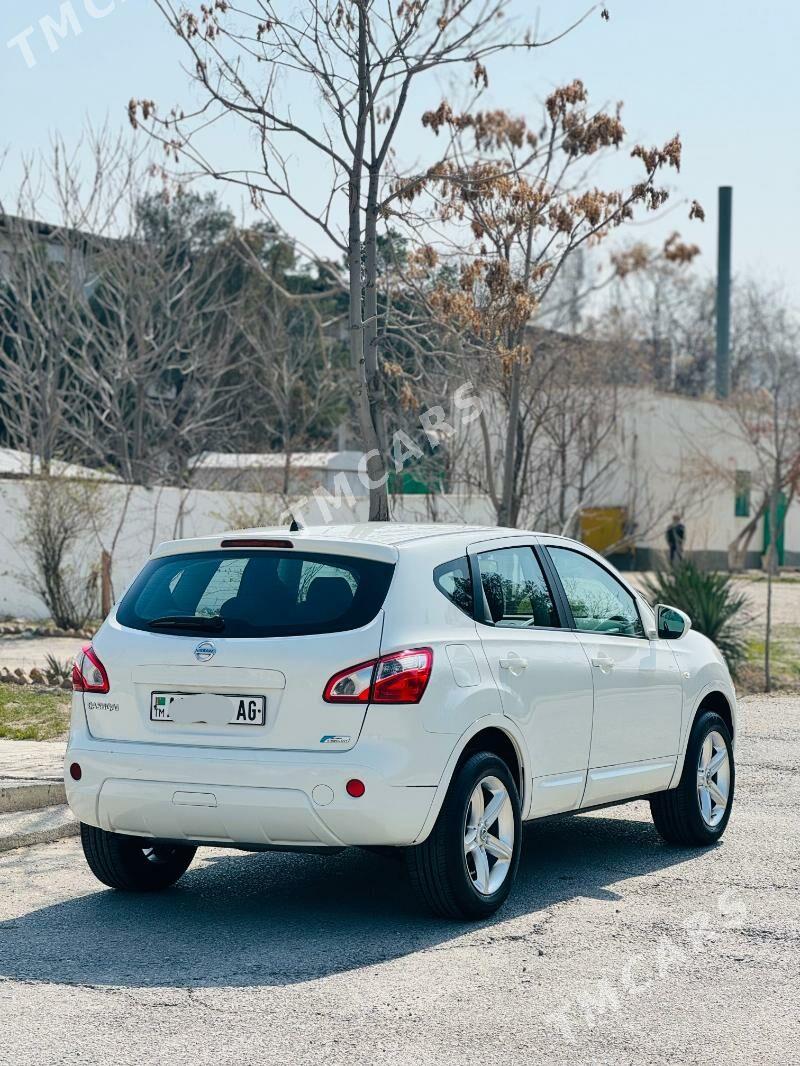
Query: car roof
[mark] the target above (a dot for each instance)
(395, 533)
(399, 533)
(377, 540)
(374, 539)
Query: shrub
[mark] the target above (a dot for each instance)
(57, 670)
(716, 608)
(54, 522)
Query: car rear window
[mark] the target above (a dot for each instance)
(240, 593)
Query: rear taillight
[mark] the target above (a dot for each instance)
(351, 686)
(398, 678)
(88, 673)
(402, 678)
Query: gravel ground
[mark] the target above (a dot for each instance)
(786, 600)
(31, 760)
(614, 949)
(786, 597)
(26, 652)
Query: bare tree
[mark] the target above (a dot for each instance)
(290, 365)
(514, 204)
(361, 63)
(154, 381)
(53, 521)
(65, 209)
(118, 320)
(662, 314)
(40, 309)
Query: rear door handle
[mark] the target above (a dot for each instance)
(603, 662)
(513, 663)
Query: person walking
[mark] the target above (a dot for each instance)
(676, 535)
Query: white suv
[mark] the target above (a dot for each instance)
(420, 687)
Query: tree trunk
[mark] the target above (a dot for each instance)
(506, 511)
(106, 595)
(514, 447)
(737, 548)
(379, 497)
(364, 363)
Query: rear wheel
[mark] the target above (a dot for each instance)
(466, 867)
(697, 811)
(133, 864)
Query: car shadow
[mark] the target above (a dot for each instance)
(277, 918)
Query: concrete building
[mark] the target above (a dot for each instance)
(60, 244)
(684, 456)
(293, 474)
(661, 455)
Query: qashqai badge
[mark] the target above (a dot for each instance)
(204, 651)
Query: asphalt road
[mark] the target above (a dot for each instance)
(615, 949)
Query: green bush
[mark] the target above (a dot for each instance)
(717, 609)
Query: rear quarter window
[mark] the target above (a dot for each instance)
(243, 593)
(453, 580)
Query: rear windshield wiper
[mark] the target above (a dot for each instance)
(189, 621)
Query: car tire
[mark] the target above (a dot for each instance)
(133, 864)
(467, 866)
(692, 814)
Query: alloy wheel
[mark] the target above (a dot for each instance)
(713, 779)
(158, 855)
(489, 835)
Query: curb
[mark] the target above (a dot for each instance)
(21, 795)
(21, 829)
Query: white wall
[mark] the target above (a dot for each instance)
(149, 516)
(685, 453)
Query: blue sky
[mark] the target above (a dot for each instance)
(724, 73)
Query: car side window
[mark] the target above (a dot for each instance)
(453, 579)
(516, 595)
(598, 602)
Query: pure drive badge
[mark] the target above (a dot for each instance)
(332, 738)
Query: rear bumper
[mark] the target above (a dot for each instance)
(240, 797)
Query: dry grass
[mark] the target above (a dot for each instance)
(33, 713)
(785, 660)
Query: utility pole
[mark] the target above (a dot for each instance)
(723, 365)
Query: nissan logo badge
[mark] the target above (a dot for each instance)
(204, 651)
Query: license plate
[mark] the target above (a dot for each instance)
(207, 708)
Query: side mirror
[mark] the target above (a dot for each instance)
(672, 624)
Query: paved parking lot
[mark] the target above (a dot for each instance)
(615, 949)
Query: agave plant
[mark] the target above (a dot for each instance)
(58, 671)
(717, 609)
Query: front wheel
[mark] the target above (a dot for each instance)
(133, 864)
(697, 811)
(466, 867)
